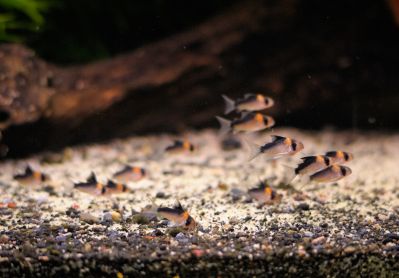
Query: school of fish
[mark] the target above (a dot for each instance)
(320, 168)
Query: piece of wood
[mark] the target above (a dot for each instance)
(31, 88)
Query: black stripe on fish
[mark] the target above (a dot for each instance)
(326, 160)
(247, 98)
(245, 118)
(111, 184)
(308, 160)
(28, 173)
(170, 210)
(331, 154)
(343, 170)
(276, 138)
(90, 181)
(125, 170)
(176, 144)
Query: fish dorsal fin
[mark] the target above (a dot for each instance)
(28, 170)
(178, 206)
(277, 137)
(178, 143)
(127, 168)
(92, 178)
(309, 157)
(248, 95)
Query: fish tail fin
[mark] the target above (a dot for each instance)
(224, 125)
(230, 104)
(254, 150)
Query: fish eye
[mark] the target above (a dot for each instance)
(191, 148)
(294, 146)
(343, 171)
(188, 221)
(266, 100)
(346, 156)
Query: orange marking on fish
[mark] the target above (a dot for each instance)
(99, 186)
(259, 118)
(136, 170)
(260, 98)
(37, 175)
(185, 215)
(336, 168)
(268, 191)
(288, 141)
(119, 187)
(186, 145)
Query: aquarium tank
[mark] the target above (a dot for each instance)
(199, 139)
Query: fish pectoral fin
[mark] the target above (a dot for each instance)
(253, 149)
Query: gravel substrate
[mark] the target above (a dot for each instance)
(345, 228)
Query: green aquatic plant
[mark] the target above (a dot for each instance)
(20, 17)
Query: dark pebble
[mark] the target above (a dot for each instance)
(324, 225)
(303, 206)
(157, 232)
(390, 237)
(160, 195)
(73, 213)
(247, 218)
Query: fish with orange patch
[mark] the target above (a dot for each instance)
(264, 194)
(339, 157)
(129, 173)
(250, 102)
(312, 164)
(91, 186)
(115, 188)
(31, 177)
(177, 216)
(332, 173)
(279, 146)
(180, 146)
(249, 122)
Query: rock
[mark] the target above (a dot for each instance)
(88, 218)
(116, 216)
(319, 240)
(181, 237)
(140, 219)
(160, 195)
(4, 239)
(307, 234)
(303, 206)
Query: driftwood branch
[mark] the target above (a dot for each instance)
(31, 88)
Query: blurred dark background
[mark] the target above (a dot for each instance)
(328, 63)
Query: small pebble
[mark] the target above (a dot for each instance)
(88, 218)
